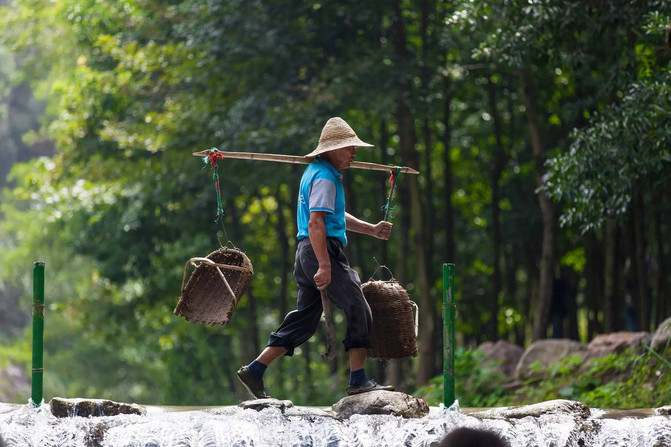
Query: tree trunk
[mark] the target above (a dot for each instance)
(426, 72)
(572, 311)
(610, 277)
(510, 270)
(426, 305)
(547, 210)
(495, 180)
(250, 341)
(428, 208)
(662, 274)
(641, 264)
(284, 253)
(594, 275)
(409, 155)
(528, 260)
(395, 369)
(620, 280)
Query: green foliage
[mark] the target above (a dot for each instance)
(16, 352)
(626, 144)
(130, 89)
(477, 382)
(627, 380)
(630, 379)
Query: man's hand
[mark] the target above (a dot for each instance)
(323, 277)
(382, 230)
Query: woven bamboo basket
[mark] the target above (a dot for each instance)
(215, 287)
(394, 331)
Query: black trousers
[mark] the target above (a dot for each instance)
(344, 291)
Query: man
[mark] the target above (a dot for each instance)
(320, 263)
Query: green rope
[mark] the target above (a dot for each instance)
(212, 158)
(387, 207)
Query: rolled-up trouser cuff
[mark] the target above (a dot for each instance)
(274, 340)
(358, 343)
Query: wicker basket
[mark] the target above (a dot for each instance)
(215, 286)
(394, 331)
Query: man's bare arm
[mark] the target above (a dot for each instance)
(317, 233)
(381, 230)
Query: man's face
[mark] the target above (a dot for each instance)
(341, 158)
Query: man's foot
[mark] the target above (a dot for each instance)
(368, 386)
(254, 386)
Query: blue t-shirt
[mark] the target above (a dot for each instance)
(321, 190)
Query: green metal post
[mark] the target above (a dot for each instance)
(448, 335)
(38, 333)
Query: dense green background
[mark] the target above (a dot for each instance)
(541, 130)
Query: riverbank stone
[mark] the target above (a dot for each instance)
(542, 354)
(660, 339)
(662, 411)
(63, 408)
(260, 404)
(381, 402)
(615, 343)
(558, 406)
(506, 355)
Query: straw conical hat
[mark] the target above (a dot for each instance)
(336, 134)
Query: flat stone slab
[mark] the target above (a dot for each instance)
(63, 408)
(260, 404)
(382, 402)
(557, 406)
(312, 413)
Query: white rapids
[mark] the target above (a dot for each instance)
(24, 425)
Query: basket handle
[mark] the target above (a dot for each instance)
(415, 310)
(208, 261)
(372, 277)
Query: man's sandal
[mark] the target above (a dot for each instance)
(254, 385)
(368, 386)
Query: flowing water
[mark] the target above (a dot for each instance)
(23, 425)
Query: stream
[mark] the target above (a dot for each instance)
(23, 425)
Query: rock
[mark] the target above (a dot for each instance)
(260, 404)
(557, 406)
(382, 402)
(92, 407)
(507, 355)
(311, 413)
(662, 411)
(614, 343)
(662, 335)
(547, 352)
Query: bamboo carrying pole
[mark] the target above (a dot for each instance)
(448, 335)
(300, 160)
(38, 333)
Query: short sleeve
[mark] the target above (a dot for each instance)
(322, 196)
